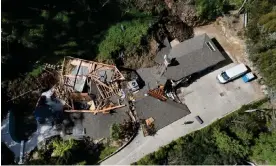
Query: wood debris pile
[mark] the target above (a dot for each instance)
(88, 86)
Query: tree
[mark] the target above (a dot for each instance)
(122, 131)
(62, 149)
(242, 133)
(264, 152)
(229, 145)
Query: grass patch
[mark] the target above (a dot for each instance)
(107, 150)
(125, 35)
(36, 71)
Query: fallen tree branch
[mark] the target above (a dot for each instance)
(22, 94)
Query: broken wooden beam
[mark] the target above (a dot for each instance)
(99, 111)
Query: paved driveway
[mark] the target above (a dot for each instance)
(210, 99)
(206, 98)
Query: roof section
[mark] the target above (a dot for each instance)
(193, 56)
(151, 79)
(164, 51)
(163, 113)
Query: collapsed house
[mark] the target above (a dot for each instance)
(88, 86)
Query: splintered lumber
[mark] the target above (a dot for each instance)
(94, 66)
(100, 82)
(80, 96)
(72, 102)
(98, 86)
(110, 108)
(149, 121)
(157, 93)
(99, 111)
(77, 74)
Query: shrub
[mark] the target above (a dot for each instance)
(108, 150)
(208, 9)
(265, 148)
(126, 35)
(122, 131)
(269, 21)
(116, 132)
(62, 149)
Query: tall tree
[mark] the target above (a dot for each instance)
(264, 152)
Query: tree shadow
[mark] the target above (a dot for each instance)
(7, 156)
(46, 31)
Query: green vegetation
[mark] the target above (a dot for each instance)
(108, 150)
(62, 149)
(116, 132)
(122, 131)
(265, 148)
(268, 21)
(125, 35)
(70, 152)
(36, 71)
(209, 9)
(236, 138)
(236, 3)
(261, 39)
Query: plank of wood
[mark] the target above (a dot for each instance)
(77, 74)
(63, 63)
(72, 104)
(99, 111)
(78, 111)
(100, 82)
(111, 108)
(154, 93)
(98, 86)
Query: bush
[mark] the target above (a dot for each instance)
(122, 131)
(269, 21)
(236, 3)
(261, 41)
(116, 132)
(264, 152)
(107, 150)
(126, 35)
(209, 9)
(63, 149)
(266, 62)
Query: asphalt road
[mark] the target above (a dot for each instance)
(206, 98)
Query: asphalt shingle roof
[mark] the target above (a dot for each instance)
(164, 113)
(193, 56)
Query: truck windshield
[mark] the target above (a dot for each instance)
(224, 76)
